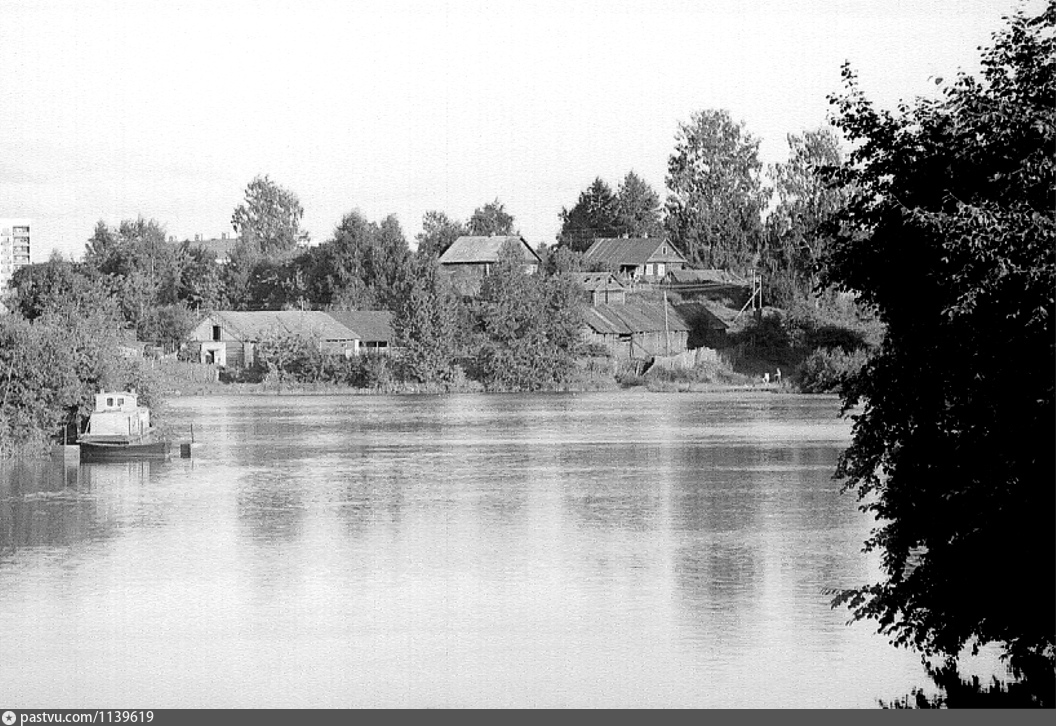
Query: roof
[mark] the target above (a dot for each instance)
(372, 325)
(700, 315)
(715, 277)
(254, 326)
(634, 317)
(593, 281)
(468, 249)
(220, 247)
(632, 251)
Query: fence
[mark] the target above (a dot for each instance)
(687, 359)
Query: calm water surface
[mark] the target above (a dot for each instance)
(627, 549)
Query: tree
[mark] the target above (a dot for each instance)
(807, 198)
(438, 233)
(594, 215)
(716, 201)
(427, 323)
(46, 286)
(529, 324)
(638, 208)
(270, 218)
(949, 233)
(491, 219)
(360, 266)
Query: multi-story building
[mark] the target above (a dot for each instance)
(14, 247)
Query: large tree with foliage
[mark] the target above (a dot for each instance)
(951, 234)
(717, 197)
(427, 323)
(490, 219)
(595, 214)
(529, 326)
(438, 233)
(797, 229)
(269, 219)
(638, 208)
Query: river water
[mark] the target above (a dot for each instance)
(611, 549)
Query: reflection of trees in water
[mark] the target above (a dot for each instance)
(51, 504)
(719, 582)
(271, 505)
(613, 487)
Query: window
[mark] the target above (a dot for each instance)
(120, 402)
(216, 332)
(109, 402)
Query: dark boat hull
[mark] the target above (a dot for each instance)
(125, 452)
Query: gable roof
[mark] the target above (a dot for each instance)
(632, 251)
(258, 325)
(372, 325)
(467, 249)
(634, 317)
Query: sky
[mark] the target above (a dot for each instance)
(114, 110)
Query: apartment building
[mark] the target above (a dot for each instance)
(14, 247)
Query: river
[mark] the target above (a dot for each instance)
(591, 550)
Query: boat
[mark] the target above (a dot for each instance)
(119, 429)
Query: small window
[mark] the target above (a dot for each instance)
(663, 250)
(120, 402)
(216, 332)
(109, 402)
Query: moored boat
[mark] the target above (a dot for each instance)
(119, 428)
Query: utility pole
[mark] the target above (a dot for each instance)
(667, 331)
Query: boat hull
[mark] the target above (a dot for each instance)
(100, 451)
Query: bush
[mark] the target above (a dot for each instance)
(827, 369)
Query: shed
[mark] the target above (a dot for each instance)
(601, 288)
(228, 337)
(470, 259)
(374, 327)
(637, 329)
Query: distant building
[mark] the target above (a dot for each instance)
(636, 258)
(374, 327)
(220, 247)
(601, 288)
(470, 259)
(637, 330)
(15, 245)
(229, 338)
(718, 285)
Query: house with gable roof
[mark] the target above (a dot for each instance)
(471, 258)
(229, 337)
(636, 258)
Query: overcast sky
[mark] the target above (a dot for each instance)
(112, 110)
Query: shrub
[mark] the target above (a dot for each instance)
(827, 369)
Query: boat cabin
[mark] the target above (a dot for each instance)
(117, 415)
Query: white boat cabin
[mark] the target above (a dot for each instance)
(118, 414)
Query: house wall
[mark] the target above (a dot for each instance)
(640, 345)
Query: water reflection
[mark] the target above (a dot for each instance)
(598, 550)
(52, 503)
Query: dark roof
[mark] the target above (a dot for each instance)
(699, 315)
(593, 281)
(632, 251)
(634, 317)
(482, 249)
(259, 325)
(715, 277)
(220, 247)
(372, 325)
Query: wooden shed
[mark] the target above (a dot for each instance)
(637, 329)
(228, 338)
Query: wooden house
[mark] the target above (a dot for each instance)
(706, 329)
(470, 259)
(636, 258)
(228, 338)
(637, 329)
(374, 328)
(601, 288)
